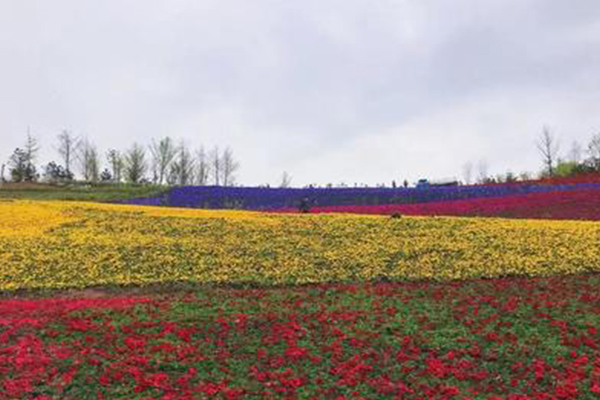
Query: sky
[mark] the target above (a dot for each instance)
(330, 91)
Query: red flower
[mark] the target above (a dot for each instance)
(158, 380)
(436, 367)
(451, 391)
(296, 352)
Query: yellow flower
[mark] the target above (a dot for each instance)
(66, 244)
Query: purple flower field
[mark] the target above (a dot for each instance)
(252, 198)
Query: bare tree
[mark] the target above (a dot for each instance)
(202, 167)
(482, 171)
(468, 172)
(214, 158)
(89, 161)
(182, 169)
(594, 151)
(524, 176)
(286, 180)
(68, 145)
(115, 161)
(163, 153)
(31, 149)
(2, 174)
(576, 152)
(135, 164)
(499, 178)
(548, 148)
(230, 167)
(510, 177)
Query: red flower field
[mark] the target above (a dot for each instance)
(487, 339)
(580, 204)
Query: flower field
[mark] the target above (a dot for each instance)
(256, 198)
(61, 244)
(517, 339)
(582, 204)
(105, 301)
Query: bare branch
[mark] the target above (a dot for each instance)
(286, 180)
(230, 167)
(68, 146)
(163, 154)
(548, 148)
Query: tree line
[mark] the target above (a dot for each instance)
(167, 162)
(163, 162)
(579, 159)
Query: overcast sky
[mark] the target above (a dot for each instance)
(328, 90)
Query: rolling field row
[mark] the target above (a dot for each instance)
(58, 245)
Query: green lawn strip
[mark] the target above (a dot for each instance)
(80, 192)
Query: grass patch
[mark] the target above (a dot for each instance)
(78, 192)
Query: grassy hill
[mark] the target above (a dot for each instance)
(77, 192)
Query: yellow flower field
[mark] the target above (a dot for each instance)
(66, 244)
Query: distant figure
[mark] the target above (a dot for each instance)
(304, 206)
(405, 183)
(394, 184)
